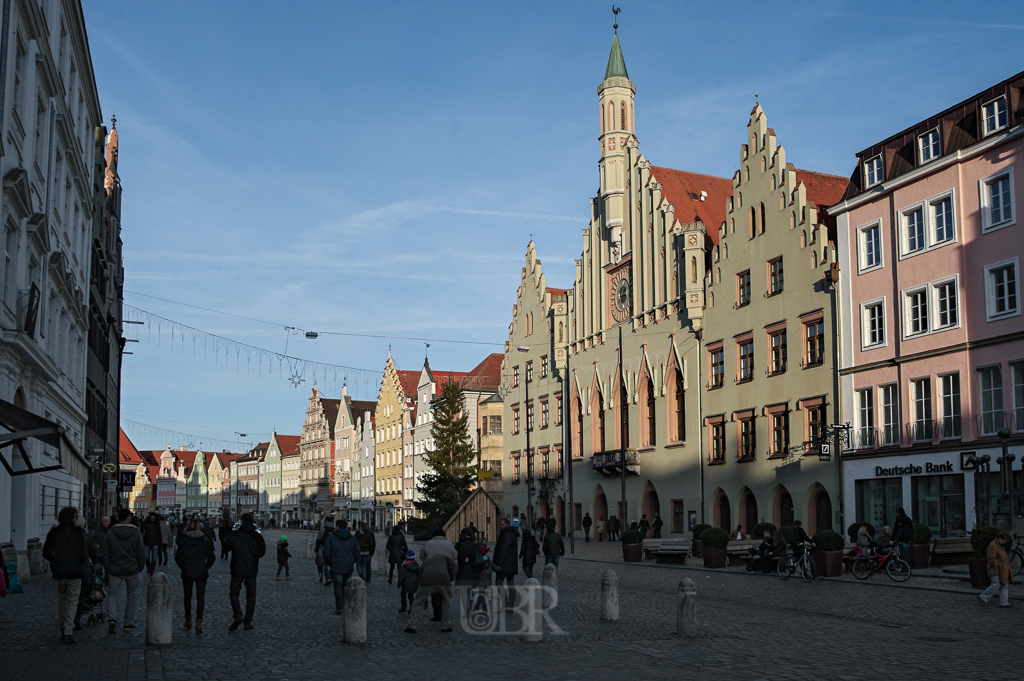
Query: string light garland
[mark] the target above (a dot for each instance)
(190, 441)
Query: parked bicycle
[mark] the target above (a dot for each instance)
(1016, 555)
(790, 563)
(894, 566)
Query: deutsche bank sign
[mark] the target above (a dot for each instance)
(911, 469)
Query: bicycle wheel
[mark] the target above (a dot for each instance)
(898, 569)
(785, 567)
(807, 568)
(862, 568)
(1016, 562)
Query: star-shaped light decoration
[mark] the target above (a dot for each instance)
(296, 378)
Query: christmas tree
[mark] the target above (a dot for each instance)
(452, 470)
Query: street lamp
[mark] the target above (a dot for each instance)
(1006, 473)
(981, 466)
(529, 454)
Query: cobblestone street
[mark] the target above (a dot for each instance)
(750, 627)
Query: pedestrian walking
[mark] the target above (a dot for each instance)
(505, 564)
(902, 533)
(645, 525)
(396, 549)
(438, 544)
(247, 547)
(123, 558)
(601, 528)
(367, 547)
(194, 555)
(436, 575)
(321, 539)
(470, 562)
(165, 538)
(223, 533)
(65, 548)
(588, 522)
(656, 525)
(408, 579)
(151, 537)
(614, 527)
(528, 552)
(341, 555)
(318, 558)
(283, 554)
(554, 548)
(998, 570)
(85, 591)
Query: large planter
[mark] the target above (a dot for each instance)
(632, 553)
(919, 554)
(828, 563)
(714, 557)
(697, 548)
(978, 568)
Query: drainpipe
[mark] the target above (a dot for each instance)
(835, 397)
(698, 334)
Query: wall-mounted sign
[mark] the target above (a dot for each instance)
(912, 469)
(126, 478)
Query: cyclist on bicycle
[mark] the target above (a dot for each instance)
(798, 539)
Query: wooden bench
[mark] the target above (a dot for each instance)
(673, 551)
(952, 551)
(651, 548)
(737, 551)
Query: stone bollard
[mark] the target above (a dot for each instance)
(609, 596)
(686, 615)
(37, 565)
(158, 610)
(309, 548)
(530, 606)
(549, 579)
(355, 610)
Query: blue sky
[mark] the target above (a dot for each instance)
(378, 168)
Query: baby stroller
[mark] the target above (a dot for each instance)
(92, 606)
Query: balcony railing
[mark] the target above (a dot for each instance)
(610, 462)
(920, 431)
(863, 438)
(989, 423)
(949, 428)
(890, 435)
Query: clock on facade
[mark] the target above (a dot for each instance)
(622, 295)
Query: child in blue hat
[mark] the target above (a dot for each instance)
(408, 579)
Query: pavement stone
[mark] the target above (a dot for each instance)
(749, 627)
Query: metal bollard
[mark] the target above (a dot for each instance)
(530, 606)
(355, 611)
(158, 610)
(309, 548)
(686, 615)
(549, 579)
(609, 596)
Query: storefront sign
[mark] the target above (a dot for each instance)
(911, 469)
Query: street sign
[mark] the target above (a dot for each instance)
(126, 478)
(826, 452)
(109, 468)
(111, 485)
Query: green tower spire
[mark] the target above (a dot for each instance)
(616, 64)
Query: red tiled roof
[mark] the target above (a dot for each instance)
(289, 444)
(127, 454)
(683, 190)
(487, 374)
(409, 381)
(823, 190)
(185, 458)
(226, 458)
(442, 377)
(150, 458)
(359, 407)
(555, 291)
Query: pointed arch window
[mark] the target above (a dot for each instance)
(622, 116)
(599, 425)
(647, 417)
(760, 226)
(693, 269)
(677, 407)
(611, 116)
(751, 222)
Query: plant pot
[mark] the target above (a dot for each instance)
(697, 548)
(714, 557)
(919, 554)
(828, 563)
(978, 568)
(632, 553)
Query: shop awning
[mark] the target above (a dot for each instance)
(21, 425)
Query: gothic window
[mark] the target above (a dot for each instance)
(693, 269)
(751, 222)
(622, 116)
(761, 225)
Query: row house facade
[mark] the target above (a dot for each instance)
(396, 401)
(291, 463)
(282, 448)
(197, 487)
(932, 359)
(348, 444)
(316, 451)
(245, 481)
(366, 431)
(50, 122)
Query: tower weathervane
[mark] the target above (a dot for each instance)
(615, 12)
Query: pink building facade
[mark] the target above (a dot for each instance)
(932, 338)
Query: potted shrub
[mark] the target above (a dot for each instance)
(828, 553)
(852, 531)
(978, 564)
(632, 546)
(758, 531)
(919, 548)
(697, 548)
(715, 539)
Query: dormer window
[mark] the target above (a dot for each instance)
(928, 146)
(873, 171)
(994, 114)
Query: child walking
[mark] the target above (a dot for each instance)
(283, 554)
(408, 579)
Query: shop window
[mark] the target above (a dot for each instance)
(877, 500)
(938, 502)
(678, 516)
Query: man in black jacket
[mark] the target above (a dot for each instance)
(902, 533)
(367, 547)
(247, 547)
(151, 538)
(506, 562)
(68, 555)
(588, 522)
(554, 547)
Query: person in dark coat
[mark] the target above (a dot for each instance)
(656, 525)
(644, 525)
(224, 531)
(902, 533)
(396, 549)
(341, 555)
(367, 547)
(151, 539)
(614, 525)
(321, 539)
(93, 549)
(283, 554)
(195, 556)
(470, 560)
(246, 547)
(528, 553)
(68, 555)
(505, 563)
(588, 522)
(554, 548)
(408, 579)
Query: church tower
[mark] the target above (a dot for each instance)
(615, 96)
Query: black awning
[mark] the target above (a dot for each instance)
(20, 425)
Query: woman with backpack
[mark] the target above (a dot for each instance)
(195, 556)
(396, 550)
